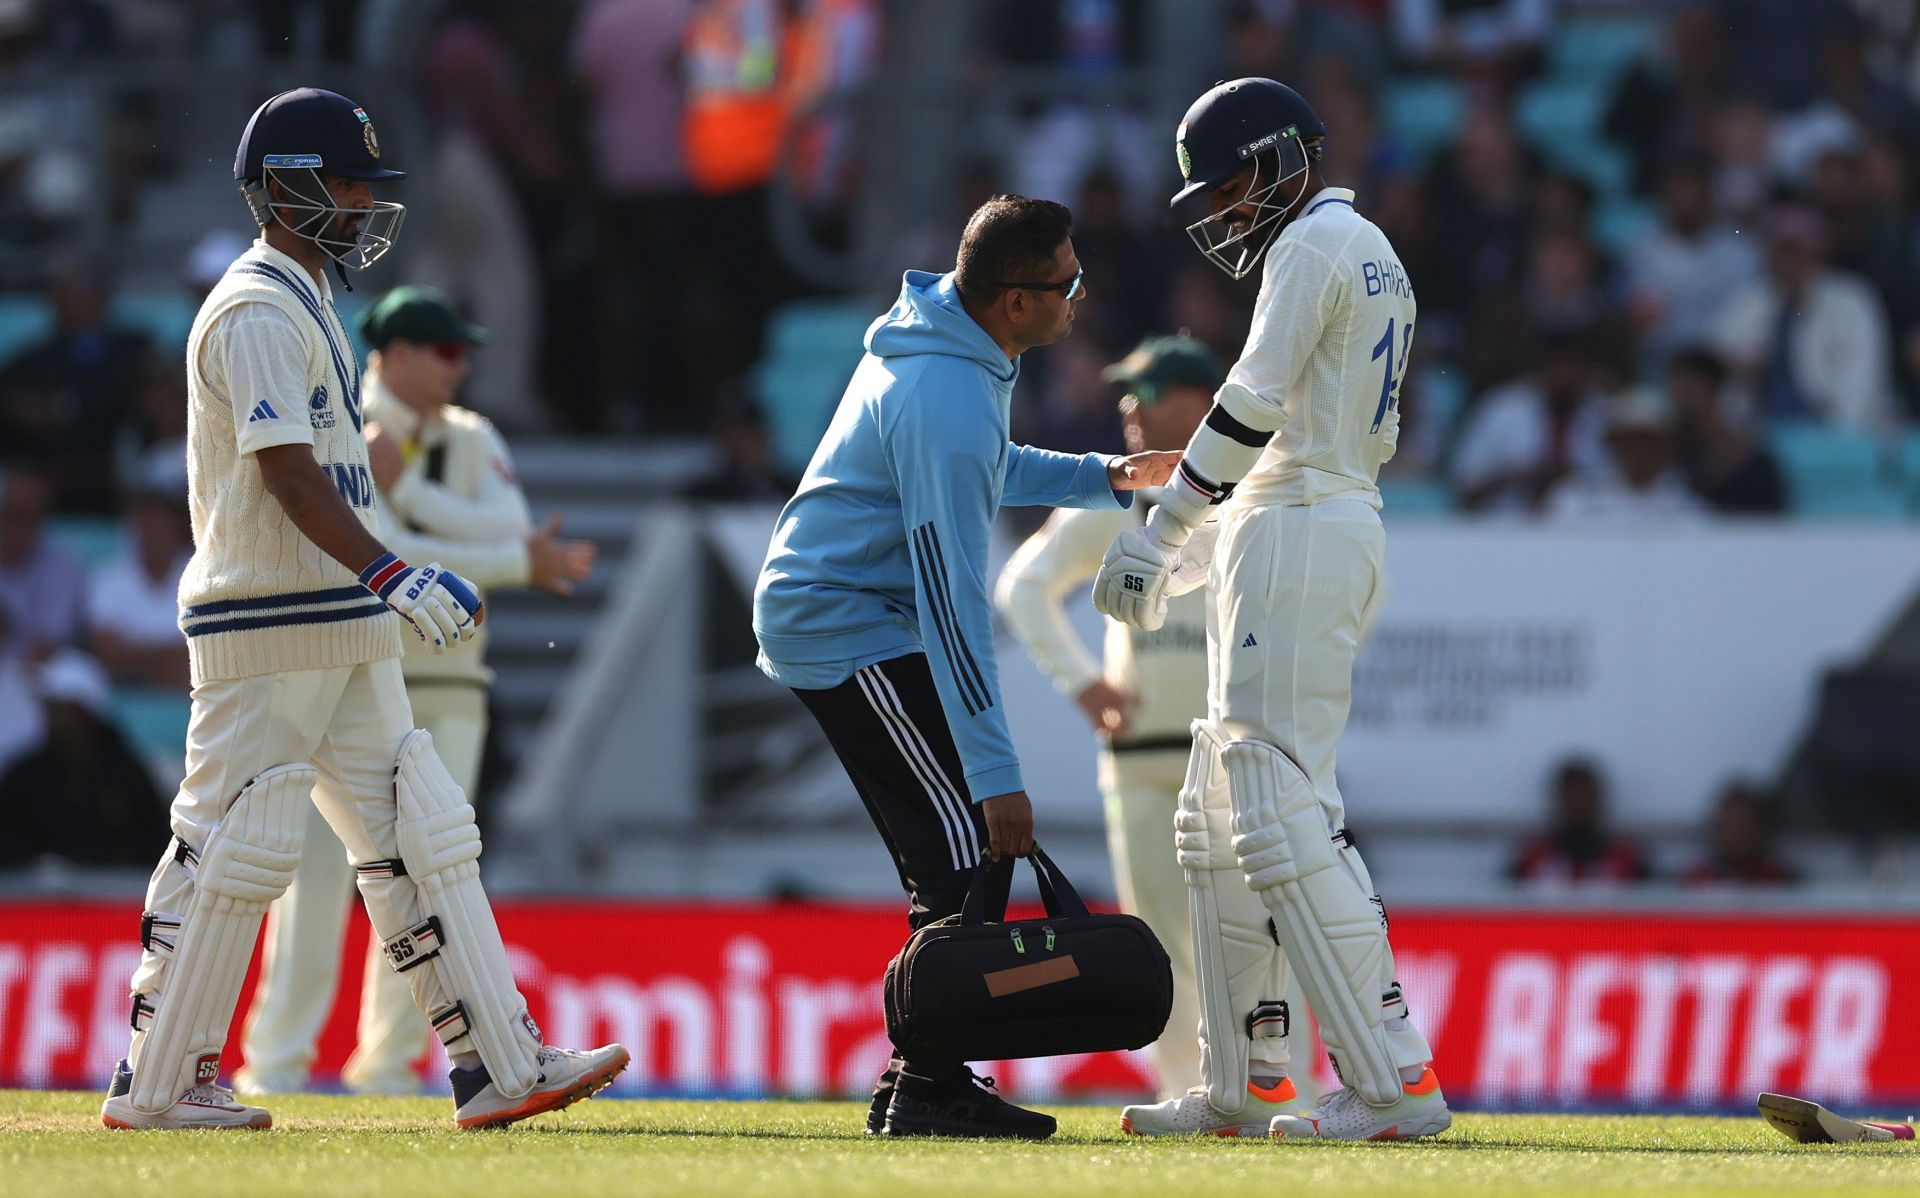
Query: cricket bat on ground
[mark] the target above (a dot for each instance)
(1810, 1123)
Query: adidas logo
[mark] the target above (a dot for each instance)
(262, 411)
(1249, 642)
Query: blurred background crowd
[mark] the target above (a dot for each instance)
(1665, 254)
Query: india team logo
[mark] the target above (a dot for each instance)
(319, 410)
(366, 132)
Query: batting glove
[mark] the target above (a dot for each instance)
(437, 603)
(1132, 585)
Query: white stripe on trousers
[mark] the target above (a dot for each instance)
(920, 758)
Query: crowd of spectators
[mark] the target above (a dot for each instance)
(1579, 848)
(1635, 268)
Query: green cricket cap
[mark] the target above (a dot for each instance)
(422, 314)
(1160, 362)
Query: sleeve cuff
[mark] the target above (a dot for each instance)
(1096, 488)
(995, 780)
(264, 435)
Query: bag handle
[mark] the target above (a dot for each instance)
(993, 881)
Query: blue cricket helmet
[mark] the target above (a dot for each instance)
(294, 139)
(1236, 123)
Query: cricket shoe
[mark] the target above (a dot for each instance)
(1421, 1110)
(882, 1098)
(205, 1105)
(1192, 1115)
(954, 1101)
(566, 1077)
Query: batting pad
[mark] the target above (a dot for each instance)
(248, 862)
(1331, 929)
(1241, 973)
(440, 847)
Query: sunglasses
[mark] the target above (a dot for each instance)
(450, 351)
(1071, 288)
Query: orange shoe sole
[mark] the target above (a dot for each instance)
(120, 1125)
(541, 1101)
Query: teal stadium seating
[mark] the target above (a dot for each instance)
(1599, 50)
(1415, 498)
(154, 721)
(1837, 473)
(1422, 113)
(1910, 470)
(91, 540)
(24, 319)
(812, 347)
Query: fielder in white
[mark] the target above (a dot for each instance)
(289, 606)
(445, 491)
(1276, 508)
(1142, 702)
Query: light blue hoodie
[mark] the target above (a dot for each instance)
(883, 550)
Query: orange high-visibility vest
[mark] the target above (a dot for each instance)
(737, 107)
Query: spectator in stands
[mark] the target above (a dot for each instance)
(1666, 106)
(22, 725)
(40, 585)
(1577, 847)
(1726, 466)
(132, 601)
(64, 401)
(1523, 438)
(1862, 195)
(1497, 39)
(1807, 342)
(1777, 44)
(82, 794)
(1639, 483)
(1740, 840)
(1068, 134)
(1111, 248)
(626, 54)
(1678, 275)
(747, 473)
(1480, 191)
(276, 22)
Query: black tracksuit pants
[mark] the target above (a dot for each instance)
(887, 727)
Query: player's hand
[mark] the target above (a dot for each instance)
(1106, 705)
(1150, 469)
(1132, 585)
(1195, 559)
(554, 565)
(1009, 824)
(438, 603)
(384, 457)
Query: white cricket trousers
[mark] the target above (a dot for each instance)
(348, 722)
(1292, 594)
(1142, 792)
(300, 966)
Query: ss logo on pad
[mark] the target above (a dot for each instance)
(1135, 583)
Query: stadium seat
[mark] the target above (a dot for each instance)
(1596, 52)
(1836, 473)
(164, 317)
(24, 319)
(1620, 222)
(154, 721)
(92, 540)
(1415, 498)
(1422, 114)
(1558, 113)
(1910, 470)
(812, 347)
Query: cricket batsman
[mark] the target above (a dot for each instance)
(1150, 689)
(293, 611)
(1276, 506)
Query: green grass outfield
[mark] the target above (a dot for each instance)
(52, 1146)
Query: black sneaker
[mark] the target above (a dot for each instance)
(954, 1101)
(882, 1096)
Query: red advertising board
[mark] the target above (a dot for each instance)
(1523, 1010)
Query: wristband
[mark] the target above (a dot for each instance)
(383, 574)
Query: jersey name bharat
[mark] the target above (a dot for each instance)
(269, 364)
(1342, 414)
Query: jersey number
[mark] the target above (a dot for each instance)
(1393, 376)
